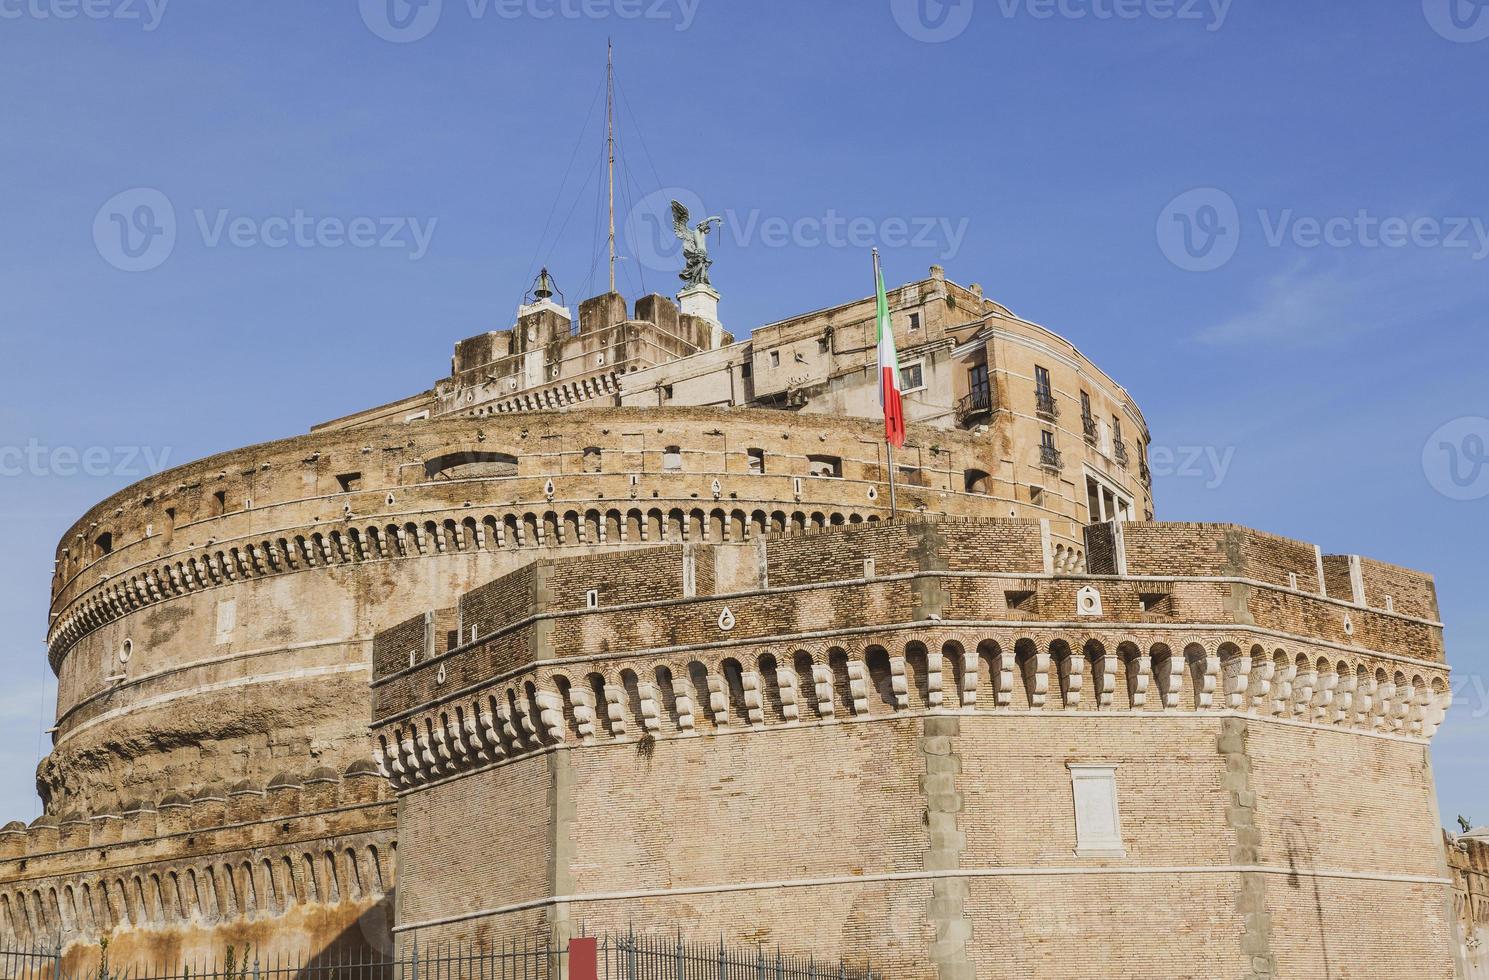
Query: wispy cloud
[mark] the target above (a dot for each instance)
(1330, 299)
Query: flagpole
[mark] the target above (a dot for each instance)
(888, 445)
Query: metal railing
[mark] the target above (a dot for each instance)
(1049, 458)
(1044, 403)
(611, 957)
(1119, 452)
(1088, 426)
(979, 401)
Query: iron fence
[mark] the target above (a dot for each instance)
(626, 956)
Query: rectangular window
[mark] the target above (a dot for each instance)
(1042, 380)
(1085, 404)
(775, 358)
(1098, 825)
(829, 466)
(349, 482)
(746, 369)
(1046, 439)
(912, 377)
(914, 321)
(756, 459)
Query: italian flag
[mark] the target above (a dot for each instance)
(889, 366)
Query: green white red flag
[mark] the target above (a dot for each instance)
(889, 365)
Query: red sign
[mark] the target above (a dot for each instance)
(584, 960)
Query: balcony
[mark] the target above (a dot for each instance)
(1146, 475)
(974, 407)
(1088, 425)
(1119, 453)
(1044, 404)
(1049, 458)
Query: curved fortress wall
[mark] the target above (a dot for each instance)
(914, 744)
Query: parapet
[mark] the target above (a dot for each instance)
(1222, 589)
(289, 796)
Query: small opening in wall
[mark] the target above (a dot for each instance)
(219, 500)
(592, 599)
(868, 568)
(1390, 604)
(756, 460)
(104, 544)
(349, 482)
(1161, 603)
(1022, 600)
(1292, 580)
(828, 466)
(775, 358)
(126, 651)
(914, 321)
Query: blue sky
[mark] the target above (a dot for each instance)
(1267, 219)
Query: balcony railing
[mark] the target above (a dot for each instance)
(1088, 425)
(1044, 404)
(1119, 453)
(1146, 475)
(974, 405)
(1049, 458)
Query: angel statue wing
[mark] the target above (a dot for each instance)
(680, 218)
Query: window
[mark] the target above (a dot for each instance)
(672, 459)
(975, 481)
(592, 599)
(468, 466)
(1098, 825)
(592, 459)
(666, 393)
(756, 459)
(912, 376)
(1105, 504)
(914, 321)
(977, 379)
(746, 369)
(219, 503)
(349, 482)
(104, 544)
(775, 358)
(1049, 456)
(1085, 404)
(828, 466)
(1044, 394)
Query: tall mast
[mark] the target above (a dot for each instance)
(610, 145)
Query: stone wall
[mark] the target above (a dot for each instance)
(834, 757)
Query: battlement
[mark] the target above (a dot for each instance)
(833, 617)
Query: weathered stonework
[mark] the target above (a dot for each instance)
(645, 643)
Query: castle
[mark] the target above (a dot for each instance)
(640, 641)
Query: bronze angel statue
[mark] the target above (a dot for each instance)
(694, 245)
